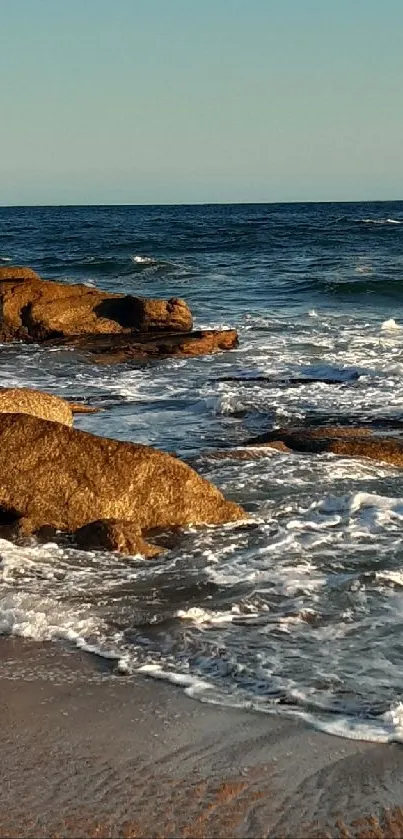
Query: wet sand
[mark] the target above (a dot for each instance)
(85, 752)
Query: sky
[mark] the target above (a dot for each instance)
(188, 101)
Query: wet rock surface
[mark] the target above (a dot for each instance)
(114, 535)
(64, 478)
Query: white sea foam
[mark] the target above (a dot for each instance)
(387, 728)
(382, 221)
(364, 269)
(47, 596)
(143, 260)
(390, 325)
(202, 617)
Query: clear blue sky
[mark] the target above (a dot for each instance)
(169, 101)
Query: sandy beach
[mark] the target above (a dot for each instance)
(88, 753)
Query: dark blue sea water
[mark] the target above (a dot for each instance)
(301, 612)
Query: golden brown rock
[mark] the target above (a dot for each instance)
(17, 272)
(295, 435)
(114, 535)
(36, 403)
(82, 408)
(112, 327)
(35, 309)
(337, 431)
(65, 478)
(343, 440)
(384, 449)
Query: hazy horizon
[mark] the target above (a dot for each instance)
(137, 103)
(203, 203)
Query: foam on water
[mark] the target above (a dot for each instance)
(270, 585)
(390, 324)
(143, 260)
(382, 221)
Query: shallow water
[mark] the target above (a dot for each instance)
(300, 611)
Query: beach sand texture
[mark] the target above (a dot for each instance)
(87, 753)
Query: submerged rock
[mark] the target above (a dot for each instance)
(36, 403)
(60, 477)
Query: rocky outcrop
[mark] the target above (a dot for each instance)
(343, 440)
(114, 535)
(39, 310)
(110, 327)
(36, 403)
(51, 475)
(120, 348)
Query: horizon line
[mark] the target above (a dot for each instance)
(203, 203)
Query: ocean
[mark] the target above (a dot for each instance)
(299, 611)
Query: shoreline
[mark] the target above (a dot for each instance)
(86, 752)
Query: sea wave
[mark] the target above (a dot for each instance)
(159, 265)
(380, 221)
(265, 621)
(144, 260)
(363, 284)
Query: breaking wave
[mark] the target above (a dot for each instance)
(380, 221)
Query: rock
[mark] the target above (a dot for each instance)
(82, 408)
(279, 446)
(247, 452)
(335, 431)
(342, 440)
(65, 478)
(17, 272)
(36, 403)
(112, 327)
(384, 449)
(114, 535)
(120, 348)
(38, 310)
(294, 437)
